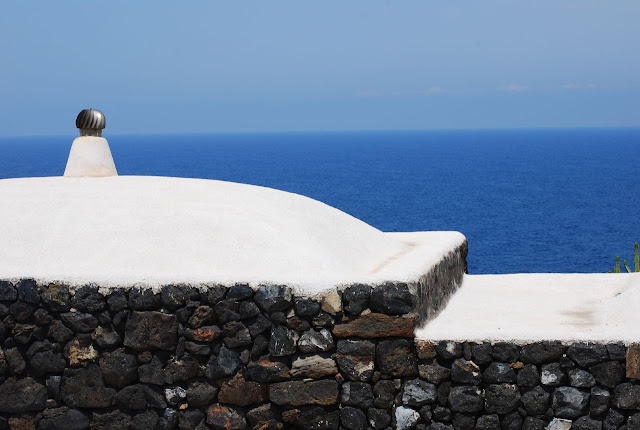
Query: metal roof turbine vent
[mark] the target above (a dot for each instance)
(90, 155)
(91, 122)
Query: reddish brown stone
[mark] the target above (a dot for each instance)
(223, 418)
(22, 424)
(205, 334)
(633, 361)
(299, 393)
(425, 349)
(376, 325)
(237, 391)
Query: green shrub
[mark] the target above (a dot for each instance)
(636, 261)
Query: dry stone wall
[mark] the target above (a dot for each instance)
(238, 358)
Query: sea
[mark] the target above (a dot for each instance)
(528, 200)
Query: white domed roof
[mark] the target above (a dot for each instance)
(156, 230)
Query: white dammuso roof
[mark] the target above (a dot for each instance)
(150, 231)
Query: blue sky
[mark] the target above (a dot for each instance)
(213, 66)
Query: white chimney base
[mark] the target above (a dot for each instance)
(90, 156)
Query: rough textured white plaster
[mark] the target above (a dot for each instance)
(150, 231)
(524, 308)
(90, 156)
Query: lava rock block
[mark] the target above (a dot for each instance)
(22, 395)
(298, 393)
(396, 358)
(542, 352)
(465, 398)
(392, 298)
(150, 331)
(84, 388)
(356, 359)
(501, 398)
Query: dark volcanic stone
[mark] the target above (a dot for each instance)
(141, 396)
(626, 396)
(227, 310)
(587, 354)
(633, 422)
(56, 297)
(22, 395)
(441, 414)
(396, 358)
(117, 300)
(449, 350)
(297, 393)
(151, 330)
(237, 391)
(488, 422)
(28, 291)
(542, 352)
(248, 310)
(79, 322)
(481, 354)
(152, 372)
(47, 362)
(505, 352)
(88, 299)
(617, 351)
(225, 364)
(21, 311)
(465, 372)
(536, 401)
(143, 299)
(586, 423)
(552, 375)
(316, 341)
(613, 420)
(106, 337)
(240, 292)
(224, 418)
(433, 372)
(83, 388)
(359, 394)
(118, 368)
(609, 373)
(569, 402)
(528, 376)
(202, 315)
(385, 393)
(532, 423)
(260, 325)
(172, 297)
(63, 419)
(392, 298)
(378, 418)
(317, 419)
(273, 298)
(214, 294)
(305, 306)
(53, 387)
(497, 373)
(267, 370)
(236, 336)
(356, 358)
(201, 393)
(581, 378)
(353, 419)
(115, 420)
(511, 421)
(181, 370)
(146, 420)
(465, 398)
(463, 421)
(7, 291)
(283, 341)
(42, 317)
(264, 418)
(355, 299)
(501, 398)
(599, 402)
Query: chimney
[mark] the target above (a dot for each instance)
(90, 155)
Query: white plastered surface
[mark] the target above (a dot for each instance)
(151, 231)
(524, 308)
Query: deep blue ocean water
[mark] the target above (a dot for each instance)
(527, 200)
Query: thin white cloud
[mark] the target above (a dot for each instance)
(369, 93)
(438, 90)
(513, 87)
(570, 86)
(591, 85)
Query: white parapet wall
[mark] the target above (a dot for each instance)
(526, 308)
